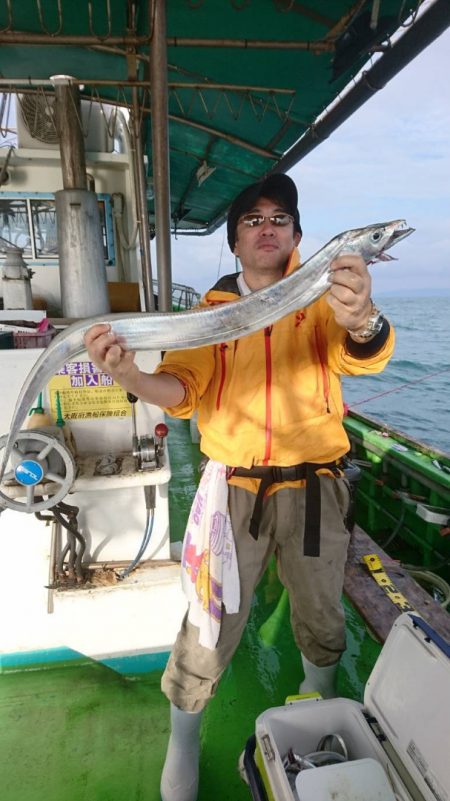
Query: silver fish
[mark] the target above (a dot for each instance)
(207, 326)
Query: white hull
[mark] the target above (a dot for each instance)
(137, 616)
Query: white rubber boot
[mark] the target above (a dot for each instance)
(179, 780)
(319, 679)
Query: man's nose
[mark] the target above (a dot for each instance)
(267, 227)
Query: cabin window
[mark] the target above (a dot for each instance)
(15, 225)
(43, 216)
(29, 222)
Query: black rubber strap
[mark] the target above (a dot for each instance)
(277, 475)
(311, 541)
(257, 509)
(364, 350)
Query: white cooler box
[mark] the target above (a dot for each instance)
(398, 742)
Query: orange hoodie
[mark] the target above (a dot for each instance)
(273, 397)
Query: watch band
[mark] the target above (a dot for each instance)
(373, 326)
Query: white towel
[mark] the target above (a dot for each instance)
(209, 569)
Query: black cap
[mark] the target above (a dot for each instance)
(278, 187)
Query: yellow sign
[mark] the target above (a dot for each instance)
(86, 393)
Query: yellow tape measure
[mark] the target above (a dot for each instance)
(377, 571)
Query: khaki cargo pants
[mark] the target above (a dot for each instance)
(314, 585)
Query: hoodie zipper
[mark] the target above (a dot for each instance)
(323, 370)
(223, 371)
(268, 351)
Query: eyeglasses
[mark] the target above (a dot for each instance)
(254, 220)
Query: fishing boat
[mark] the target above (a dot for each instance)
(133, 122)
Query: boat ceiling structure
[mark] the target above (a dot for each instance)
(249, 83)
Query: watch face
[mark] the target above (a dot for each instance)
(374, 326)
(376, 323)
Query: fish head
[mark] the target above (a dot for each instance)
(372, 241)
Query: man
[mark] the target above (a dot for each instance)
(270, 408)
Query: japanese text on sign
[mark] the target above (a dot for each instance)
(83, 391)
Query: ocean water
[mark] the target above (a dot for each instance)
(412, 394)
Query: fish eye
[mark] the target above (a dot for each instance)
(376, 236)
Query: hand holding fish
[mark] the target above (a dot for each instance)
(105, 349)
(349, 294)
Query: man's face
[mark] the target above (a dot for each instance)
(265, 248)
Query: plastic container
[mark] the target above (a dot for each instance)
(404, 723)
(351, 781)
(34, 339)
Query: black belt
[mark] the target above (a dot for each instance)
(277, 475)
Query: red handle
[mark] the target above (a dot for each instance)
(161, 430)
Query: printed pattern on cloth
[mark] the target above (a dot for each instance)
(209, 573)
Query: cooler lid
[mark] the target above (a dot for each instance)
(408, 692)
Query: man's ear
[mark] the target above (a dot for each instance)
(297, 238)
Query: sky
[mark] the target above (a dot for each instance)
(390, 160)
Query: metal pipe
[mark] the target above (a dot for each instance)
(252, 44)
(133, 239)
(141, 204)
(160, 150)
(226, 87)
(424, 31)
(54, 545)
(113, 565)
(16, 38)
(82, 272)
(70, 135)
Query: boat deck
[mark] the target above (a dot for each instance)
(85, 733)
(374, 604)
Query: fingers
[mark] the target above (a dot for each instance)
(350, 271)
(349, 261)
(96, 330)
(102, 346)
(350, 277)
(113, 356)
(106, 351)
(349, 295)
(98, 339)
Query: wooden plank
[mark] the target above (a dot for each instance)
(371, 601)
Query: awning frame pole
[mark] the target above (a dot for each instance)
(141, 203)
(160, 151)
(425, 30)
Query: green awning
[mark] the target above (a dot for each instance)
(247, 78)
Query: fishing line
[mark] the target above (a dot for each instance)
(220, 257)
(400, 386)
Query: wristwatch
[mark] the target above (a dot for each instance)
(373, 327)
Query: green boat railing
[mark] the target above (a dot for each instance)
(403, 495)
